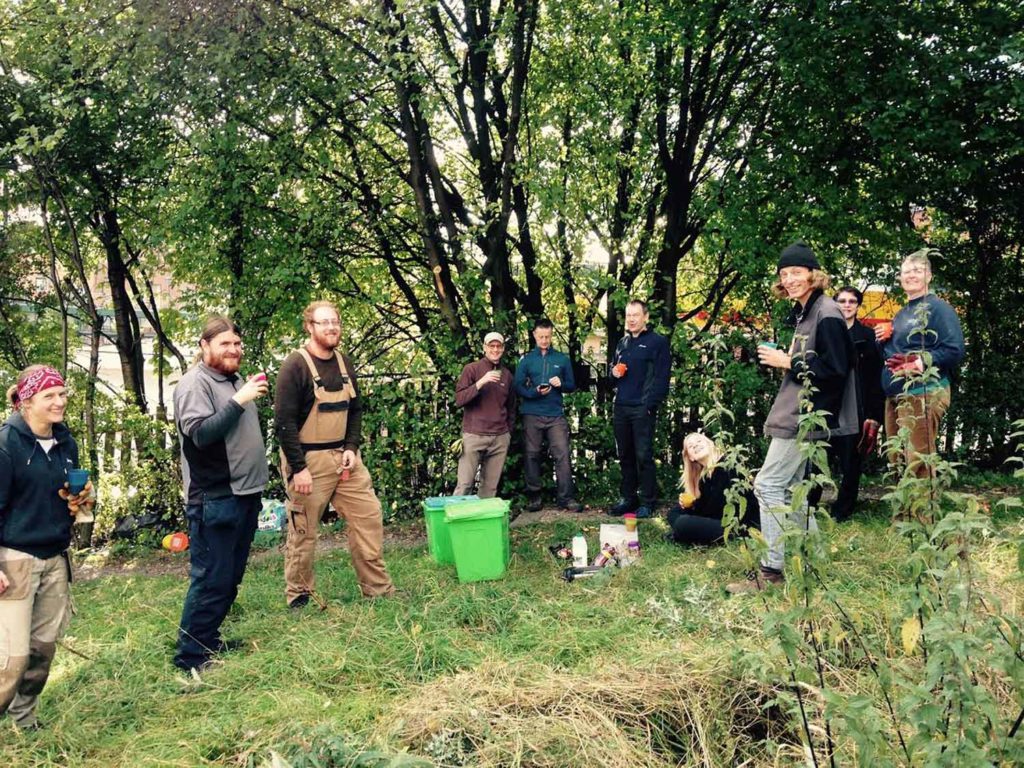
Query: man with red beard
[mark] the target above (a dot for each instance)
(224, 468)
(318, 414)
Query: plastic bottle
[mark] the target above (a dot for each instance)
(579, 550)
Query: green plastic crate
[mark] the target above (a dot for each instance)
(438, 541)
(479, 537)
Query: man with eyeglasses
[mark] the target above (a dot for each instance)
(319, 416)
(925, 331)
(486, 393)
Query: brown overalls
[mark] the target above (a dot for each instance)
(353, 498)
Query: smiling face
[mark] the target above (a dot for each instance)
(325, 328)
(636, 318)
(796, 281)
(698, 448)
(493, 351)
(223, 352)
(44, 409)
(915, 278)
(848, 305)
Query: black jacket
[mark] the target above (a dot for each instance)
(711, 502)
(869, 372)
(33, 518)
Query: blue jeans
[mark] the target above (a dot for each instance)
(220, 535)
(784, 467)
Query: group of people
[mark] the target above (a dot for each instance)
(858, 378)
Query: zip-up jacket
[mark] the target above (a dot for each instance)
(33, 518)
(822, 348)
(869, 372)
(222, 449)
(942, 337)
(536, 368)
(648, 366)
(487, 411)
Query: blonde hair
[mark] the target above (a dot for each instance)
(12, 391)
(819, 281)
(693, 471)
(312, 307)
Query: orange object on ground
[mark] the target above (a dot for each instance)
(175, 542)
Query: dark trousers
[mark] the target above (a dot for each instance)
(694, 529)
(634, 440)
(220, 535)
(556, 430)
(846, 463)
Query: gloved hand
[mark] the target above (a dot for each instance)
(868, 437)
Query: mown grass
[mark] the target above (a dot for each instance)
(647, 668)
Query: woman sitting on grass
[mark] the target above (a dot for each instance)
(698, 517)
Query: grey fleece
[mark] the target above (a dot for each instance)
(222, 448)
(821, 347)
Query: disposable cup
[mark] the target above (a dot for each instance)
(629, 519)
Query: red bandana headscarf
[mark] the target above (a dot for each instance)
(37, 381)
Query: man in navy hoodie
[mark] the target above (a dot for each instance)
(542, 377)
(640, 374)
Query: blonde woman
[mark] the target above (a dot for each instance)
(698, 518)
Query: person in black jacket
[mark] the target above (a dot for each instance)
(698, 517)
(850, 454)
(640, 374)
(36, 516)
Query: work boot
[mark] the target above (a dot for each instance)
(757, 580)
(572, 506)
(299, 602)
(534, 504)
(622, 506)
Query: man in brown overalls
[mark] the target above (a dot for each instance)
(318, 417)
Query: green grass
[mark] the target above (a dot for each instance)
(526, 671)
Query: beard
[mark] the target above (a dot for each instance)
(327, 339)
(227, 364)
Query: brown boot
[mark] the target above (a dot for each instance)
(756, 581)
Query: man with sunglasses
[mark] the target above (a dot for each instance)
(486, 393)
(319, 419)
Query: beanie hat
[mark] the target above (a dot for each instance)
(799, 254)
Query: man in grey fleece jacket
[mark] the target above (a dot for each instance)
(224, 466)
(823, 351)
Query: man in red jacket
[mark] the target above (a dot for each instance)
(486, 394)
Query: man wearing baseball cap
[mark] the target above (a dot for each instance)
(486, 394)
(822, 351)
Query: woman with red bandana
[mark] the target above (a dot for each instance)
(36, 516)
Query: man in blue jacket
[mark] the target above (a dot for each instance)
(640, 374)
(542, 377)
(925, 330)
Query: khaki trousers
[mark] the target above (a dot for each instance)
(921, 414)
(34, 612)
(487, 452)
(356, 502)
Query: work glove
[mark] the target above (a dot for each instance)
(868, 437)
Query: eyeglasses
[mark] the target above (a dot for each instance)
(327, 323)
(846, 301)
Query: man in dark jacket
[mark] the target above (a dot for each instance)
(846, 452)
(543, 375)
(640, 374)
(486, 393)
(823, 351)
(224, 468)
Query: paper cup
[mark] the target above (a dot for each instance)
(77, 478)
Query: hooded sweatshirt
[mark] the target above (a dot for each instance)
(822, 348)
(33, 518)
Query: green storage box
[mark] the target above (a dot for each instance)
(438, 542)
(479, 537)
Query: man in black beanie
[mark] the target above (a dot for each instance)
(823, 352)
